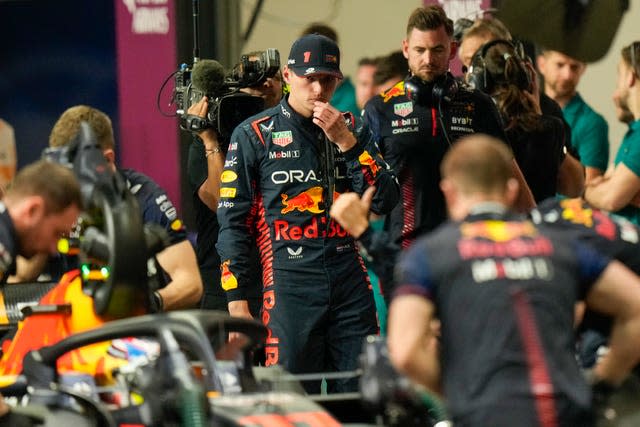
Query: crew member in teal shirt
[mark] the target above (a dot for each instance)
(619, 191)
(589, 130)
(629, 155)
(589, 133)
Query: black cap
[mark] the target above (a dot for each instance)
(314, 54)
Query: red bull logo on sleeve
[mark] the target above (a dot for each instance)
(397, 90)
(309, 200)
(365, 159)
(574, 211)
(227, 278)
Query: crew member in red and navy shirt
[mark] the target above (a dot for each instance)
(504, 290)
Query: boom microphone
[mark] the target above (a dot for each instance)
(207, 76)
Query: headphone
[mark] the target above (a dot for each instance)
(433, 93)
(482, 79)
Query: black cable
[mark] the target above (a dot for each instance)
(441, 117)
(160, 93)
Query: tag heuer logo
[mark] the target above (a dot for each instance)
(403, 109)
(283, 138)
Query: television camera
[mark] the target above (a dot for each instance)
(228, 106)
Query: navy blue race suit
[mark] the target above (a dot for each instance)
(413, 139)
(156, 208)
(155, 205)
(504, 290)
(277, 183)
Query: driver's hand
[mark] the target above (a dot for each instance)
(233, 348)
(238, 309)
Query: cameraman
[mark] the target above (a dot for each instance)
(205, 164)
(270, 90)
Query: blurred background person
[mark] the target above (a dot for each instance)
(589, 130)
(487, 29)
(271, 90)
(365, 87)
(618, 190)
(484, 30)
(392, 68)
(477, 33)
(623, 114)
(537, 140)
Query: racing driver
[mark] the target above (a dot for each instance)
(283, 169)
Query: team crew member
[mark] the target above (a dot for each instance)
(284, 167)
(570, 173)
(414, 136)
(589, 130)
(537, 139)
(618, 190)
(504, 290)
(484, 30)
(611, 235)
(40, 206)
(183, 286)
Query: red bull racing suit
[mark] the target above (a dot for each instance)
(414, 138)
(279, 178)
